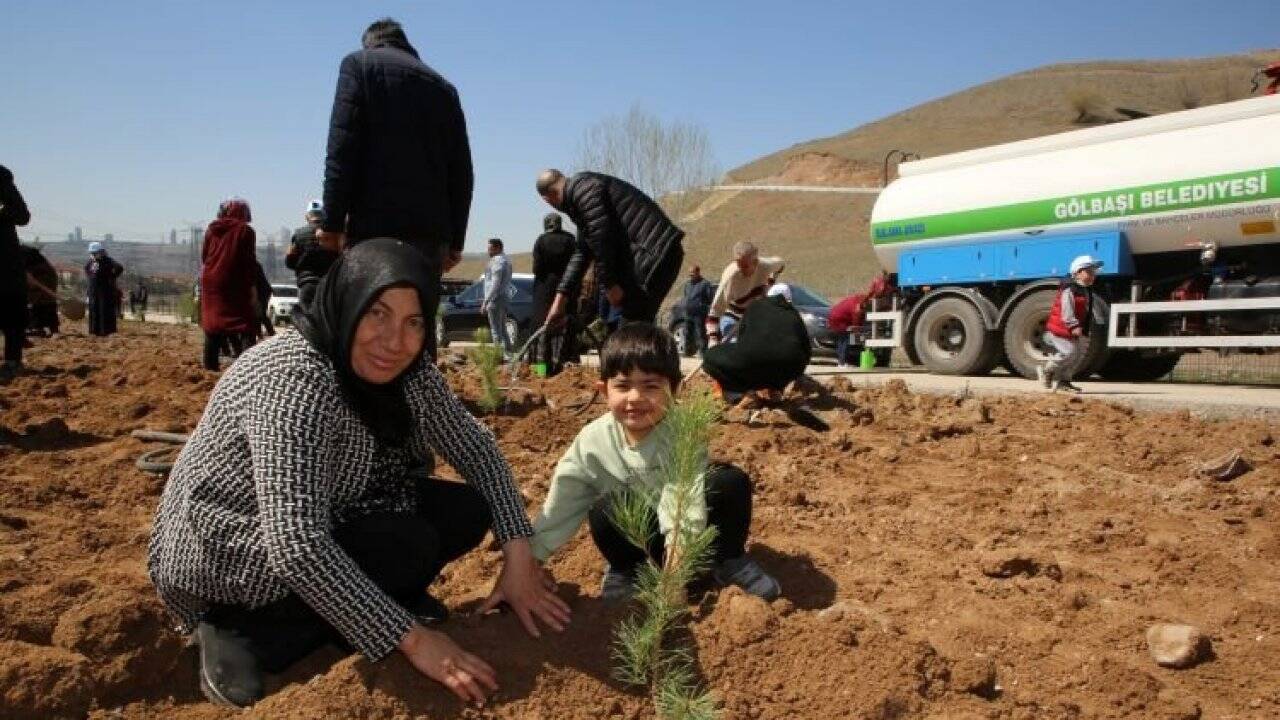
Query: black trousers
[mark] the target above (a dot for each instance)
(400, 552)
(728, 492)
(14, 335)
(641, 304)
(215, 342)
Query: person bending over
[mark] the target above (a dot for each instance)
(772, 348)
(290, 517)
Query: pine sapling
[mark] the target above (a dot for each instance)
(488, 358)
(643, 650)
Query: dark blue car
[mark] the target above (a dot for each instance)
(460, 315)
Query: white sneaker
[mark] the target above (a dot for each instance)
(1042, 376)
(1066, 386)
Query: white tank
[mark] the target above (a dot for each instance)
(1168, 182)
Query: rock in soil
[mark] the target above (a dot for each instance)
(1176, 646)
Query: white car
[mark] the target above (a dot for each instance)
(280, 306)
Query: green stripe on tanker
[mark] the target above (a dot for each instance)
(1216, 190)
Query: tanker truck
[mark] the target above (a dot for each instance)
(1182, 209)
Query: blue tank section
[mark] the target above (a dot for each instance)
(1012, 260)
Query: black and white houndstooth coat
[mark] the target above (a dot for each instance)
(276, 462)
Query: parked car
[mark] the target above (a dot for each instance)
(813, 307)
(452, 286)
(280, 306)
(460, 314)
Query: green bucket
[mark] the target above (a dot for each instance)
(539, 369)
(867, 360)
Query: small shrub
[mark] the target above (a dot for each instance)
(1088, 105)
(187, 307)
(488, 359)
(1189, 93)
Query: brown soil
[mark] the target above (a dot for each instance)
(941, 558)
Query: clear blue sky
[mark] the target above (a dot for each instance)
(134, 117)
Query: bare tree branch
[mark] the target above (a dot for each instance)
(666, 160)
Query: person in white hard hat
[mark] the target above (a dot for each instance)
(104, 298)
(1068, 325)
(306, 257)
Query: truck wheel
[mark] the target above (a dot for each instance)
(1024, 344)
(1133, 366)
(951, 339)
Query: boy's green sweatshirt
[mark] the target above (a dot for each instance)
(598, 462)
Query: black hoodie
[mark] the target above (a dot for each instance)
(398, 162)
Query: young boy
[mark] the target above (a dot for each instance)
(1069, 319)
(639, 372)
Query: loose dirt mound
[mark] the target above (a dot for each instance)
(941, 558)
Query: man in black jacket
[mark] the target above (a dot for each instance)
(398, 162)
(637, 249)
(552, 252)
(13, 274)
(306, 258)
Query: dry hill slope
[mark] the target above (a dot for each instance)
(825, 236)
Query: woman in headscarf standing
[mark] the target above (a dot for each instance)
(291, 517)
(101, 272)
(229, 271)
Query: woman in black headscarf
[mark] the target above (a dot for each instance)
(291, 515)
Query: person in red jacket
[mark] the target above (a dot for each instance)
(1068, 323)
(228, 275)
(846, 315)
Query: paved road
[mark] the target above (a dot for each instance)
(1202, 400)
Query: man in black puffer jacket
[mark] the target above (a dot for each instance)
(399, 162)
(637, 249)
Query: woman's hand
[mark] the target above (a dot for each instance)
(433, 654)
(528, 589)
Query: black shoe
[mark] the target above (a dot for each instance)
(428, 610)
(229, 672)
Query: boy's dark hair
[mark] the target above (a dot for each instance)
(641, 346)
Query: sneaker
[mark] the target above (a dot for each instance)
(616, 586)
(1066, 386)
(748, 575)
(1042, 376)
(427, 610)
(229, 671)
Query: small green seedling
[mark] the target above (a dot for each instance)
(643, 651)
(488, 359)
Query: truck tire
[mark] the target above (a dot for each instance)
(1133, 366)
(951, 339)
(1024, 332)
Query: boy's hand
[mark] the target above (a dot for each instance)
(528, 589)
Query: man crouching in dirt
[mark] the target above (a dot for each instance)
(628, 446)
(290, 519)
